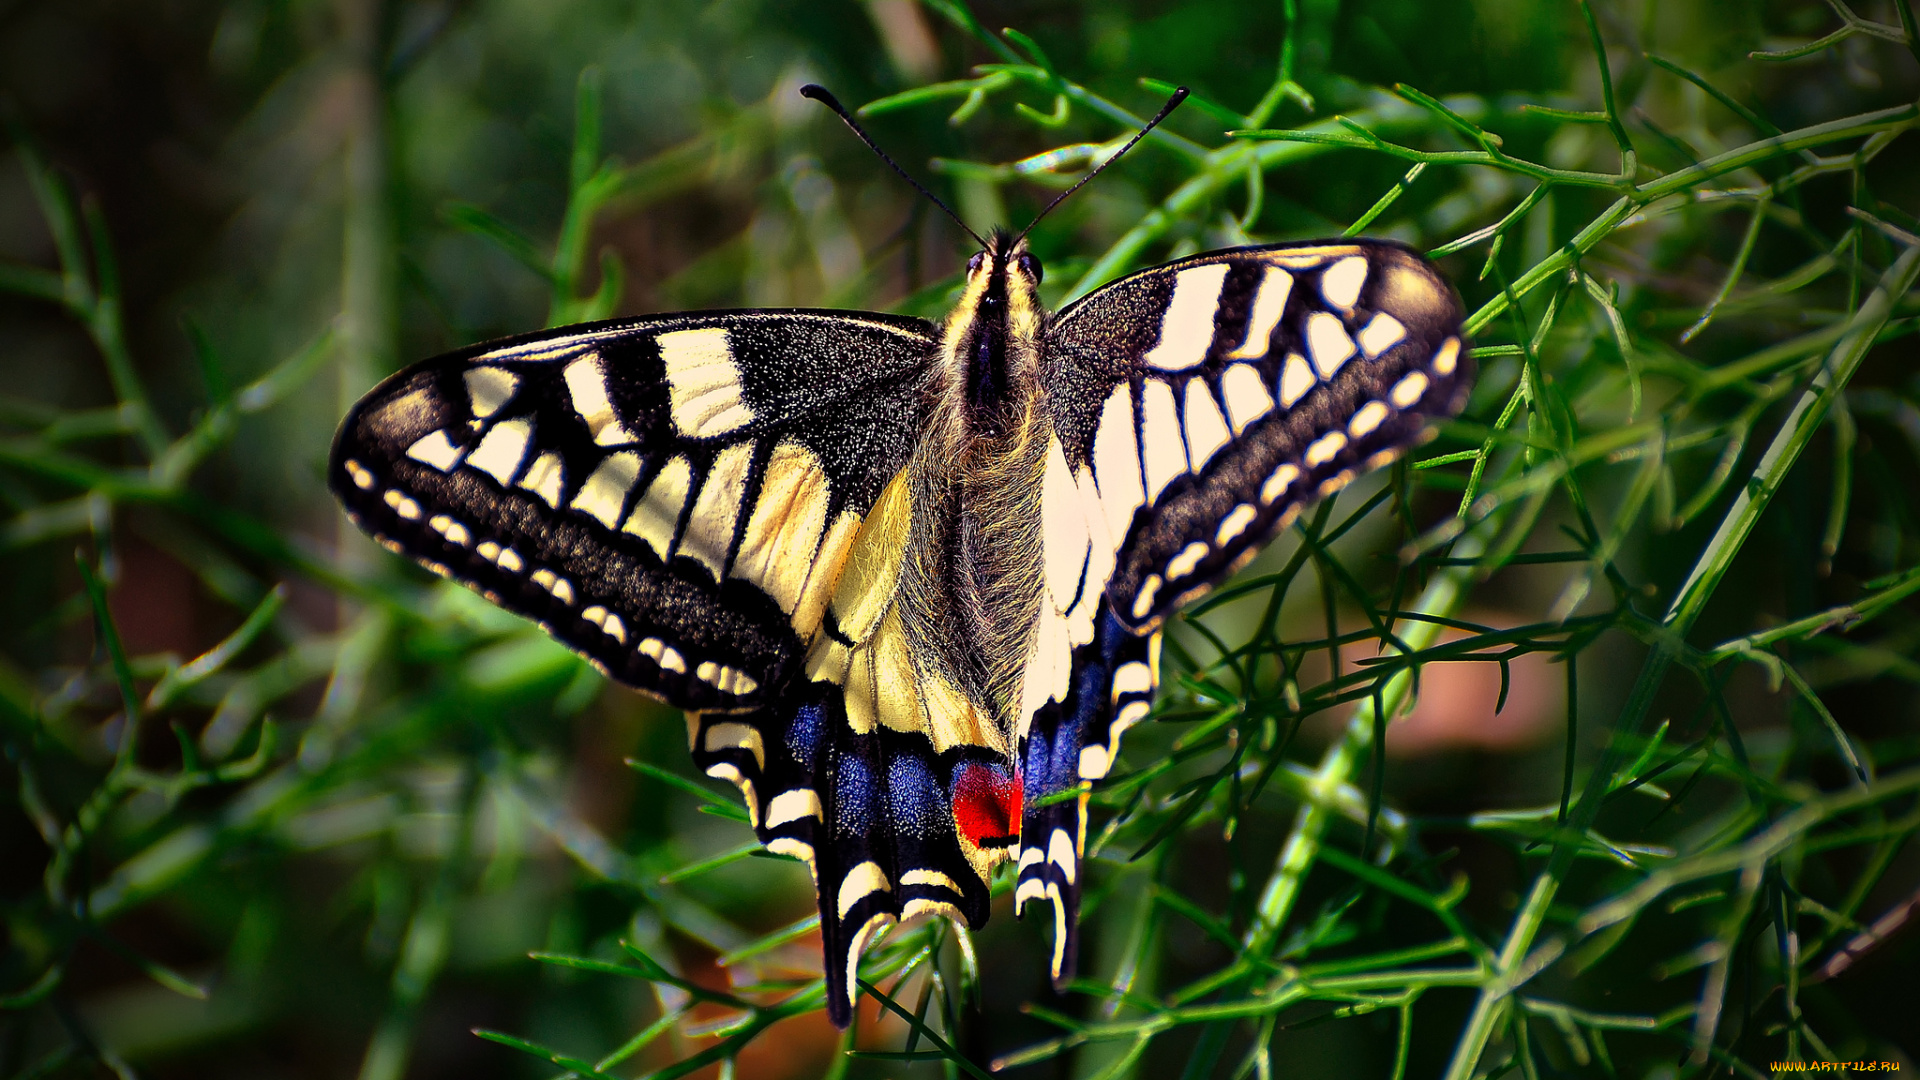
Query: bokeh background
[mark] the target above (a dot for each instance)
(327, 847)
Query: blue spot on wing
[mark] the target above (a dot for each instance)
(914, 798)
(803, 732)
(853, 797)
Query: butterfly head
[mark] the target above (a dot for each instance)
(1007, 254)
(993, 335)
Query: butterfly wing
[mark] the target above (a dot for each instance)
(1197, 407)
(712, 509)
(671, 497)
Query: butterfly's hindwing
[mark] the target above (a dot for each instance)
(1211, 398)
(889, 828)
(673, 497)
(1069, 740)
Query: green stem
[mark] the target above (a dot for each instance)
(1688, 603)
(1338, 765)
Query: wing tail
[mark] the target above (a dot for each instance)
(889, 829)
(1069, 743)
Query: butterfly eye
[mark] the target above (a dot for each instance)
(1031, 266)
(974, 264)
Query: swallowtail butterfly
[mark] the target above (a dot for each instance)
(908, 580)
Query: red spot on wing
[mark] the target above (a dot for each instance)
(986, 804)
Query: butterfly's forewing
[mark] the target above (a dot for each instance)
(1198, 406)
(672, 497)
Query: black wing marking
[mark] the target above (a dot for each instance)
(1198, 407)
(672, 497)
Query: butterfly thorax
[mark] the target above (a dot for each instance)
(972, 583)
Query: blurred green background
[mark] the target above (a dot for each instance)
(331, 842)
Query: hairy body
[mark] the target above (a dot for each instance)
(971, 585)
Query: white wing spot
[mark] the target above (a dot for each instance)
(861, 882)
(544, 478)
(1235, 523)
(1064, 542)
(587, 385)
(1408, 390)
(1277, 484)
(1342, 281)
(502, 450)
(795, 849)
(1327, 340)
(1143, 602)
(1186, 329)
(703, 382)
(455, 532)
(1325, 448)
(1132, 677)
(604, 494)
(1206, 428)
(1383, 333)
(665, 655)
(1268, 305)
(401, 504)
(657, 514)
(1369, 417)
(1183, 564)
(710, 527)
(1247, 397)
(1094, 762)
(1100, 557)
(1295, 381)
(732, 735)
(510, 561)
(1445, 360)
(794, 805)
(1130, 714)
(615, 629)
(782, 534)
(560, 587)
(435, 449)
(362, 478)
(488, 388)
(596, 615)
(1161, 443)
(921, 875)
(1335, 482)
(1116, 463)
(1060, 853)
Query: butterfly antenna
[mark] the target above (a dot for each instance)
(1179, 95)
(822, 95)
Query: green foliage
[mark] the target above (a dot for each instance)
(1687, 475)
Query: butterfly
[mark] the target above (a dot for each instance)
(908, 580)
